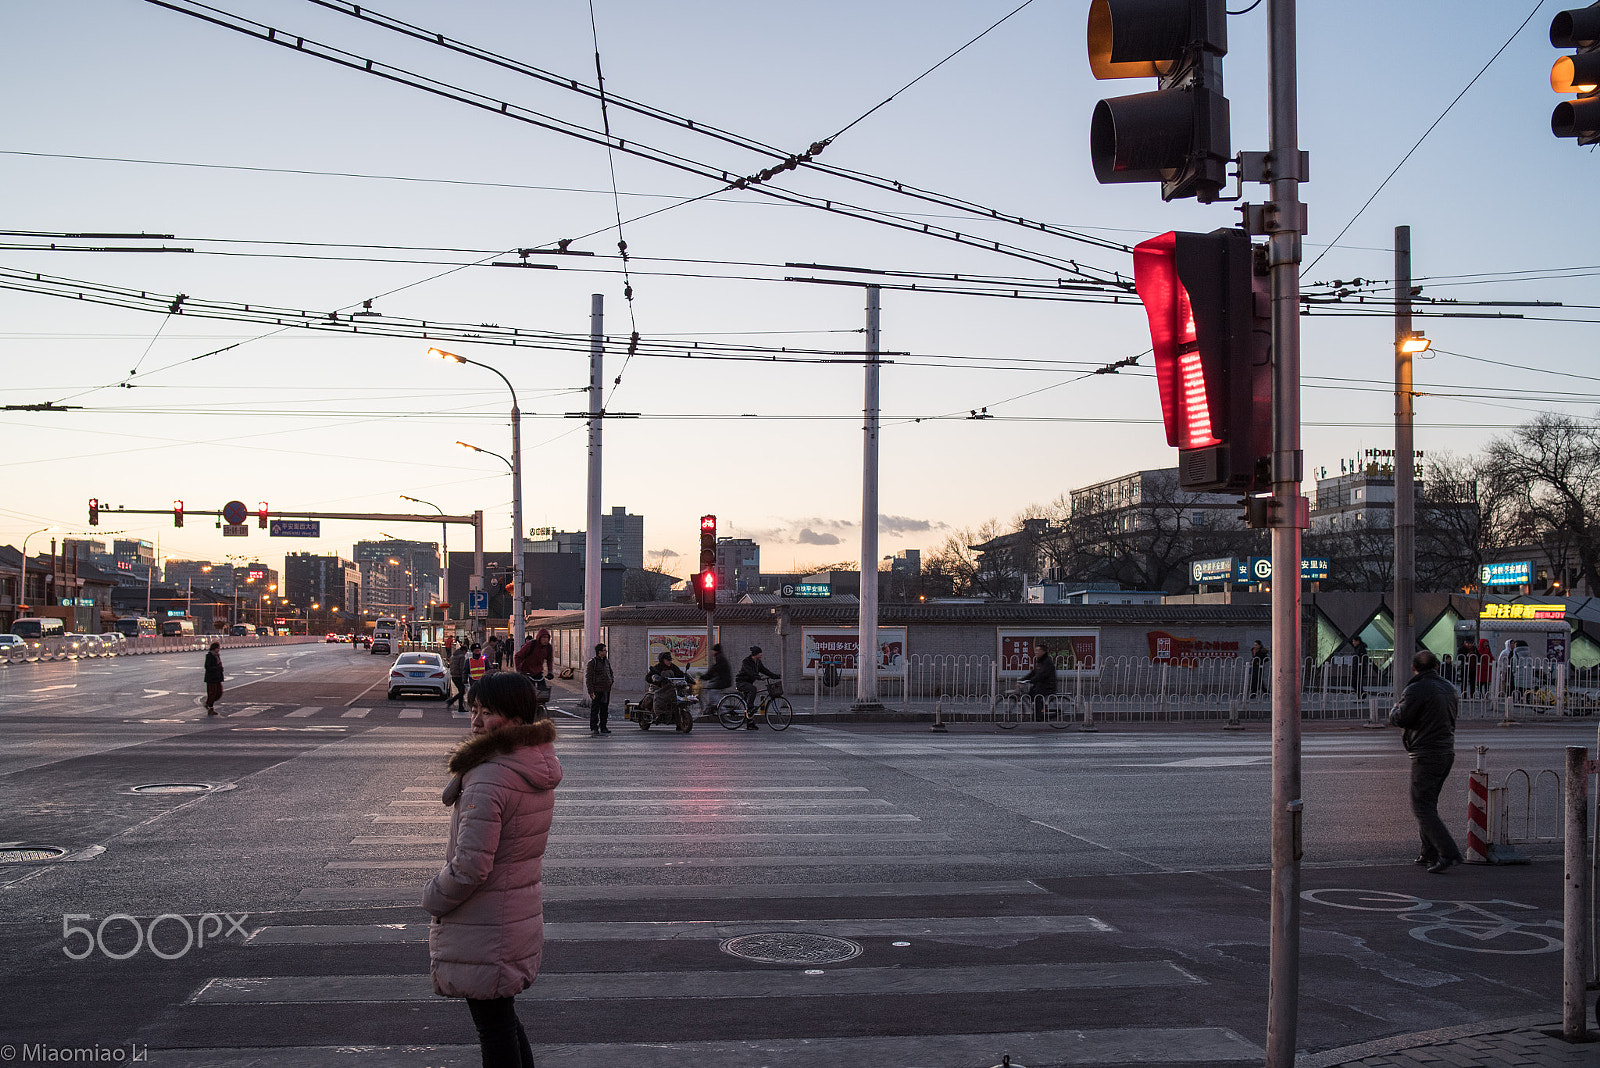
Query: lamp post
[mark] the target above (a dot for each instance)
(515, 463)
(444, 530)
(516, 552)
(23, 591)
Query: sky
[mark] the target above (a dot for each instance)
(305, 185)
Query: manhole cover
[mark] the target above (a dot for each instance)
(792, 948)
(17, 856)
(172, 788)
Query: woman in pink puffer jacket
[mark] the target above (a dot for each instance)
(487, 935)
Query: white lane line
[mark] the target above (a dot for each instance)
(560, 892)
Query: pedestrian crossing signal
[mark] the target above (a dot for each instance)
(705, 590)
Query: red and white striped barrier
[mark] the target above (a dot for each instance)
(1486, 819)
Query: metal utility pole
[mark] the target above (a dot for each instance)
(1405, 493)
(867, 640)
(476, 582)
(591, 536)
(1286, 223)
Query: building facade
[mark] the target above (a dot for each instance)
(738, 567)
(327, 586)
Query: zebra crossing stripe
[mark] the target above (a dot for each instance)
(968, 930)
(1143, 1045)
(303, 713)
(248, 710)
(411, 713)
(555, 893)
(356, 713)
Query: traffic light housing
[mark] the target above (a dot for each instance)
(94, 511)
(261, 515)
(177, 513)
(708, 542)
(1212, 337)
(1177, 135)
(705, 590)
(1578, 74)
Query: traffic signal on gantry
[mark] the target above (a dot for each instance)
(1177, 135)
(1578, 74)
(1208, 304)
(94, 511)
(177, 513)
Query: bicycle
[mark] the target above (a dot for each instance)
(770, 704)
(1016, 706)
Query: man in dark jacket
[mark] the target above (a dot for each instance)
(750, 669)
(1427, 712)
(458, 676)
(213, 677)
(597, 679)
(717, 680)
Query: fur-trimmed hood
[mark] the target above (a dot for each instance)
(482, 748)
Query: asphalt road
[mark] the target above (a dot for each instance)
(933, 900)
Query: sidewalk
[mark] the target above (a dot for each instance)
(1532, 1041)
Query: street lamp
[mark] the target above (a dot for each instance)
(515, 463)
(444, 529)
(21, 601)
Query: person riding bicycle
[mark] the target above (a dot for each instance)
(718, 680)
(751, 669)
(1040, 679)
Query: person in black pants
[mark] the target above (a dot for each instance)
(1040, 679)
(598, 679)
(213, 678)
(1427, 712)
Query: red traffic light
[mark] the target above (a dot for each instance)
(94, 511)
(1212, 346)
(177, 513)
(708, 522)
(261, 515)
(705, 590)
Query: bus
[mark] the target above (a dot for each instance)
(136, 627)
(37, 628)
(385, 636)
(181, 627)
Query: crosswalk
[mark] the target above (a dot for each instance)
(430, 711)
(713, 903)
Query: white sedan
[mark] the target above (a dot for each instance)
(419, 673)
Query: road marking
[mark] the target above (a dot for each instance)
(250, 710)
(1175, 1045)
(936, 861)
(73, 686)
(961, 930)
(304, 713)
(356, 713)
(410, 713)
(560, 892)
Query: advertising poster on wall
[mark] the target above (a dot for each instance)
(1077, 651)
(688, 648)
(831, 645)
(1177, 650)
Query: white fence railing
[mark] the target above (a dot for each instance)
(90, 646)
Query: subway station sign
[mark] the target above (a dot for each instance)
(1519, 573)
(1250, 571)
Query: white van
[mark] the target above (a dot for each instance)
(37, 628)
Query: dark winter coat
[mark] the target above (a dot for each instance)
(536, 651)
(598, 676)
(1041, 677)
(720, 677)
(487, 938)
(751, 669)
(1427, 711)
(213, 667)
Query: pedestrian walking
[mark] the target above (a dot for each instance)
(213, 677)
(487, 937)
(537, 656)
(1258, 665)
(597, 679)
(499, 647)
(477, 665)
(458, 676)
(1358, 665)
(1427, 712)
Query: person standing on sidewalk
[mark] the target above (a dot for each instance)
(1427, 712)
(597, 679)
(486, 941)
(1258, 664)
(213, 677)
(1358, 664)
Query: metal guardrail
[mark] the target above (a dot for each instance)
(95, 646)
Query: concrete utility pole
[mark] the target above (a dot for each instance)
(867, 640)
(1405, 493)
(591, 535)
(1291, 515)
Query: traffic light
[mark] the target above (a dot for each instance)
(708, 542)
(1177, 135)
(177, 513)
(705, 590)
(261, 515)
(1578, 74)
(1209, 326)
(94, 511)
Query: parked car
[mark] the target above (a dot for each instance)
(331, 638)
(419, 673)
(14, 648)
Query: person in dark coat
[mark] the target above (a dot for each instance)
(1040, 679)
(598, 679)
(213, 677)
(750, 669)
(1358, 665)
(1258, 665)
(718, 679)
(1427, 713)
(486, 940)
(537, 656)
(458, 676)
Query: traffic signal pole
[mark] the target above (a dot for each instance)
(867, 638)
(592, 544)
(1405, 492)
(1285, 225)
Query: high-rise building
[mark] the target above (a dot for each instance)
(331, 583)
(738, 566)
(420, 558)
(621, 539)
(199, 575)
(133, 561)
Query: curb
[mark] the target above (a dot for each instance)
(1395, 1043)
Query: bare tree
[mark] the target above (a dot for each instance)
(1550, 470)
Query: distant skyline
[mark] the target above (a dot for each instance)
(300, 184)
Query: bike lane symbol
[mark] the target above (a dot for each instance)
(1473, 926)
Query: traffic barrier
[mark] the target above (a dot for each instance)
(1233, 723)
(1488, 830)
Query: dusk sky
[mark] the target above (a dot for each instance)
(305, 185)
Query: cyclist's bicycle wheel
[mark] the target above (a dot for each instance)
(1056, 713)
(730, 710)
(1008, 713)
(780, 713)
